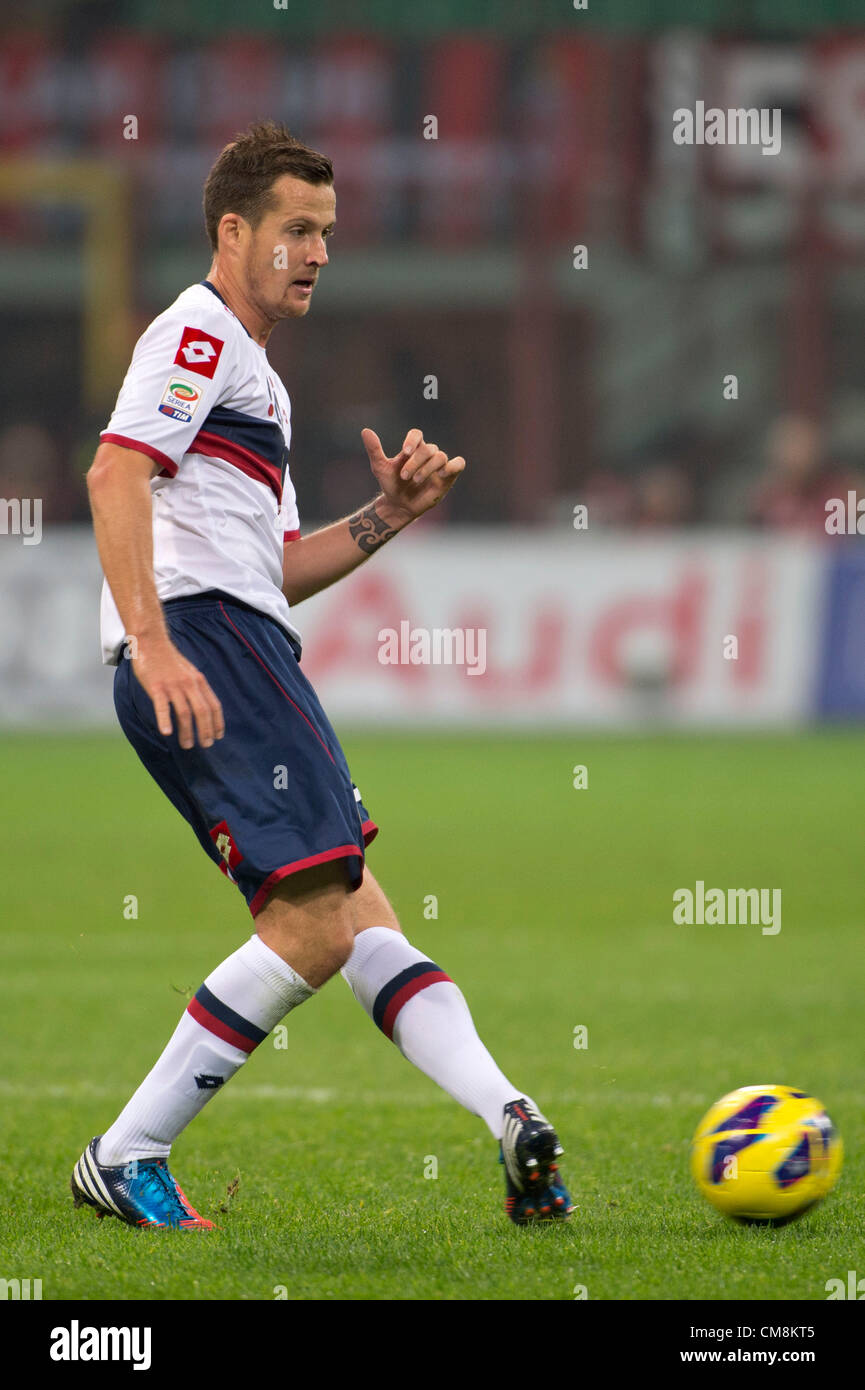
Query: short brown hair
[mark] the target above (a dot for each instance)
(244, 174)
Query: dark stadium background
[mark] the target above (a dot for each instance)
(552, 132)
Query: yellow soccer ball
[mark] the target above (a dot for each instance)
(765, 1154)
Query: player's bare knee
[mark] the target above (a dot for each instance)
(340, 944)
(317, 953)
(308, 921)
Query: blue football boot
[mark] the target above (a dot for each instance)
(141, 1193)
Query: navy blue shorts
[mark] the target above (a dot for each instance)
(273, 796)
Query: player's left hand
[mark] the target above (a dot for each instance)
(416, 478)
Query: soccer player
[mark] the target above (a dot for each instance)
(199, 537)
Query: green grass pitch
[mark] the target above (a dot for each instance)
(554, 910)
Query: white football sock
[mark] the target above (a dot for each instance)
(232, 1012)
(425, 1014)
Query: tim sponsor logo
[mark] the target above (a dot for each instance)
(77, 1343)
(180, 399)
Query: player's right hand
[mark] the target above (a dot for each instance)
(173, 683)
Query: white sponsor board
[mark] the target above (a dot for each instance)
(540, 628)
(608, 630)
(50, 663)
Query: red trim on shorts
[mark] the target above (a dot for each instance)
(341, 852)
(290, 536)
(370, 830)
(166, 464)
(266, 668)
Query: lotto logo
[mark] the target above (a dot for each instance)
(224, 841)
(208, 1081)
(199, 351)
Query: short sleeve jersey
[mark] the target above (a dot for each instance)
(201, 399)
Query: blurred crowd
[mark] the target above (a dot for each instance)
(539, 137)
(676, 484)
(672, 485)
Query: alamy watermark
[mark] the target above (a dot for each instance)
(845, 518)
(702, 906)
(21, 1289)
(77, 1343)
(736, 126)
(437, 646)
(853, 1288)
(21, 516)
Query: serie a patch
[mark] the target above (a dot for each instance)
(180, 399)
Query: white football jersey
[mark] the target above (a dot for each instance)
(201, 399)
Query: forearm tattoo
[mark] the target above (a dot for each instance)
(370, 530)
